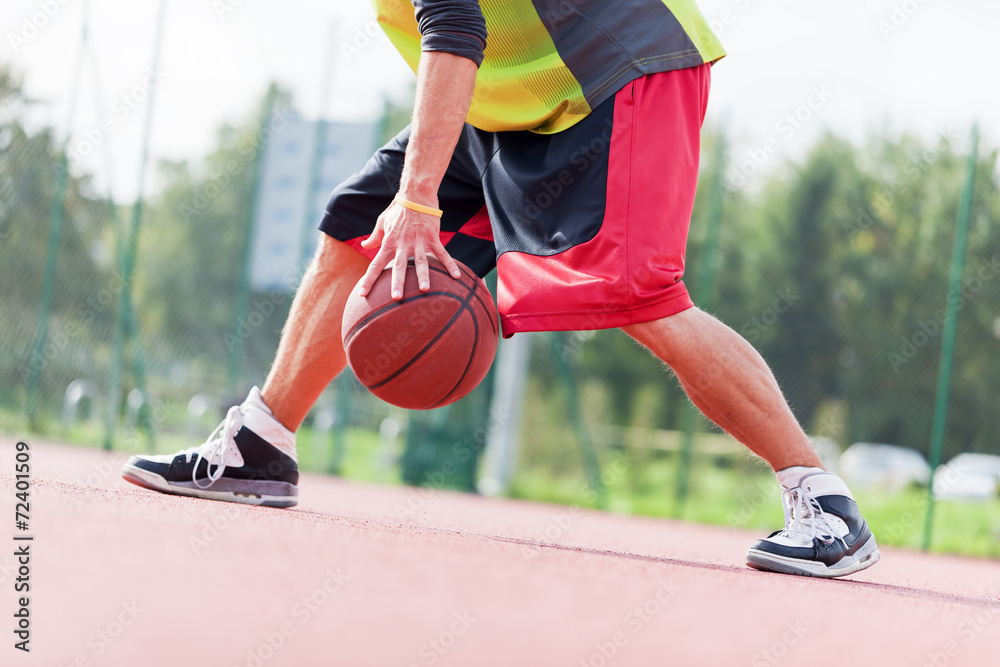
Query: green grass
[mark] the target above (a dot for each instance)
(746, 496)
(367, 457)
(971, 529)
(737, 492)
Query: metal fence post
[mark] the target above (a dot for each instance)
(948, 337)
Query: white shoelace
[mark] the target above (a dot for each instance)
(217, 444)
(804, 518)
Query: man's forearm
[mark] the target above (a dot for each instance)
(444, 92)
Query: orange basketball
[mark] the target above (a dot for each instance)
(428, 349)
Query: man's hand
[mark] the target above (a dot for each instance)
(402, 234)
(444, 91)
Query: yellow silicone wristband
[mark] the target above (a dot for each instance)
(419, 208)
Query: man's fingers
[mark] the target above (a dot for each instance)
(420, 262)
(398, 274)
(367, 280)
(396, 243)
(375, 239)
(446, 259)
(371, 275)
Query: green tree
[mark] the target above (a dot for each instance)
(29, 164)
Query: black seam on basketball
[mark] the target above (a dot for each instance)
(367, 318)
(475, 278)
(409, 263)
(473, 292)
(472, 357)
(389, 306)
(370, 316)
(430, 343)
(464, 305)
(489, 311)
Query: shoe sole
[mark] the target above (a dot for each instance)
(154, 482)
(863, 558)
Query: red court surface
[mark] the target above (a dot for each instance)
(372, 575)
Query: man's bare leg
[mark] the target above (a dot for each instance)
(311, 354)
(730, 382)
(250, 457)
(825, 534)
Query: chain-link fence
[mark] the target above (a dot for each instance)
(836, 268)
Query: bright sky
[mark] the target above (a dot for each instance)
(922, 66)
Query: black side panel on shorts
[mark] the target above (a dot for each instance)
(356, 203)
(552, 186)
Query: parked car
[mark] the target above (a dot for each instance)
(968, 476)
(866, 465)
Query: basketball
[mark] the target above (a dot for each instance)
(429, 348)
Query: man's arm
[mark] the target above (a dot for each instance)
(453, 39)
(444, 92)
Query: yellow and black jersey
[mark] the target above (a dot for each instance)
(548, 63)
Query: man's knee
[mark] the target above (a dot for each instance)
(336, 257)
(665, 326)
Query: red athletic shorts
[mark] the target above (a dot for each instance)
(587, 227)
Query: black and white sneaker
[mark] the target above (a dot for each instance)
(249, 458)
(824, 535)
